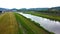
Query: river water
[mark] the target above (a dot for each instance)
(50, 25)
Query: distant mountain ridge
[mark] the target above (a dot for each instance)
(33, 9)
(55, 7)
(38, 9)
(1, 9)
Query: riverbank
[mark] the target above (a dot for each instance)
(30, 26)
(52, 17)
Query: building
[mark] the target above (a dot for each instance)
(0, 11)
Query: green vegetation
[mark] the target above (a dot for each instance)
(30, 27)
(14, 23)
(49, 16)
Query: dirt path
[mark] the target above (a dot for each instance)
(8, 24)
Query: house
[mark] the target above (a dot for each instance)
(0, 11)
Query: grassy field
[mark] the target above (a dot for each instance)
(8, 24)
(52, 17)
(13, 23)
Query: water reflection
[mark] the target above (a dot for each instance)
(50, 25)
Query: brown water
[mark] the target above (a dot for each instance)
(50, 25)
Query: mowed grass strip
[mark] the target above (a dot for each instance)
(2, 15)
(8, 24)
(29, 26)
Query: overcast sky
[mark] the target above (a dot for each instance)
(29, 3)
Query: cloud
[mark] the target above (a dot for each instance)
(28, 3)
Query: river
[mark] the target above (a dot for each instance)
(50, 25)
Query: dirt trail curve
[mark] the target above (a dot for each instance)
(8, 24)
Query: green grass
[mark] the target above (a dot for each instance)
(20, 20)
(30, 27)
(52, 17)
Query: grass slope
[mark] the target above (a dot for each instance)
(52, 17)
(30, 27)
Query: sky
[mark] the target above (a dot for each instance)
(29, 3)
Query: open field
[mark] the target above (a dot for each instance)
(52, 17)
(13, 23)
(8, 24)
